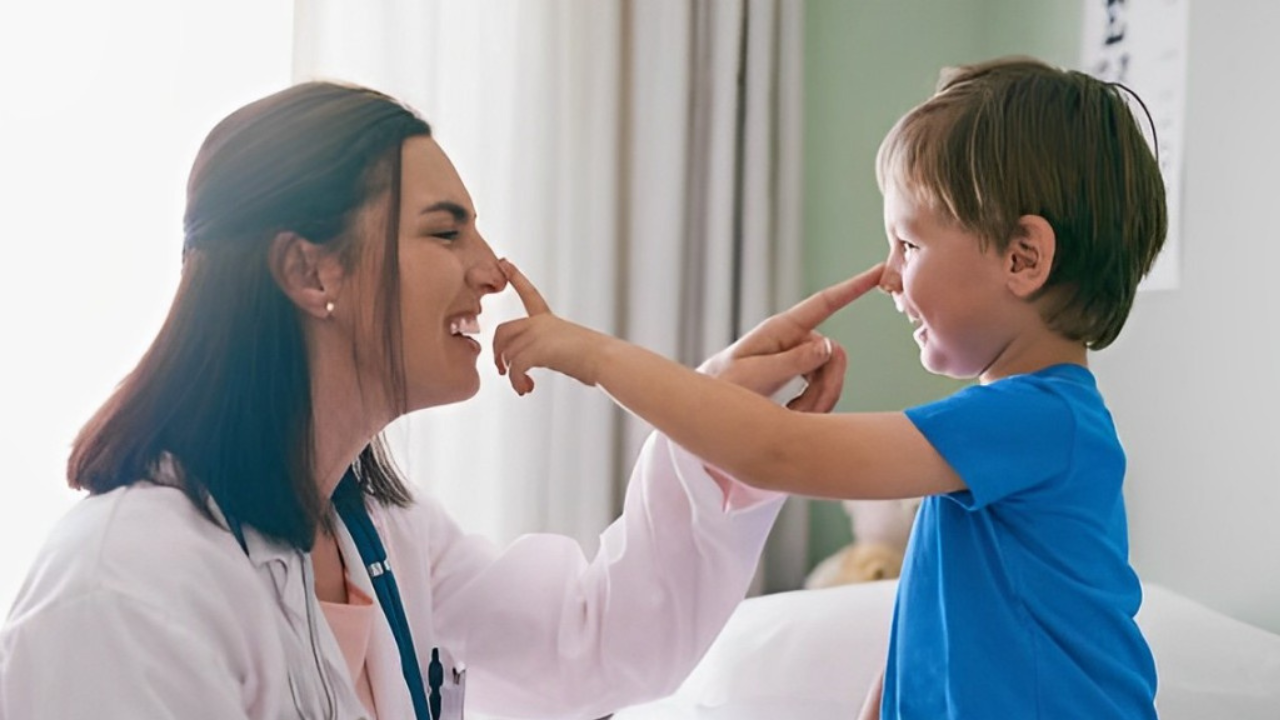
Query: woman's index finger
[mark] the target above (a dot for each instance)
(533, 302)
(813, 310)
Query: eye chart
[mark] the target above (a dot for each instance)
(1142, 44)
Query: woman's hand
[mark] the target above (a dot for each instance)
(788, 345)
(755, 363)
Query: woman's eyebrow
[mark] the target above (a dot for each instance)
(460, 214)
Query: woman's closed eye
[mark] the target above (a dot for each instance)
(447, 235)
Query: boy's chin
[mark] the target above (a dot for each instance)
(940, 366)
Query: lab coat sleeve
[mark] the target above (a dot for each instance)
(115, 659)
(546, 633)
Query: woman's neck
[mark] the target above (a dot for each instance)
(345, 415)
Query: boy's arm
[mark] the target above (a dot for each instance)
(849, 455)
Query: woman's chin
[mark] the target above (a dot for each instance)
(438, 396)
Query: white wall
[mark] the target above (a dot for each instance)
(105, 106)
(1194, 380)
(1194, 376)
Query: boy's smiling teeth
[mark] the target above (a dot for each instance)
(900, 305)
(911, 317)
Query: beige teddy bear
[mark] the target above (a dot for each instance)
(880, 532)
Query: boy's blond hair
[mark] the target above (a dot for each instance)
(1014, 137)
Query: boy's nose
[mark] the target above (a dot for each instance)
(891, 279)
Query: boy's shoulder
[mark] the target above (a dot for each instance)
(1032, 432)
(1055, 389)
(1069, 373)
(1045, 410)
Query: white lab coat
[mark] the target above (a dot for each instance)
(139, 606)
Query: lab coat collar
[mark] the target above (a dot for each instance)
(285, 570)
(261, 549)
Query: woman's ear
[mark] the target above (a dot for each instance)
(307, 275)
(1029, 257)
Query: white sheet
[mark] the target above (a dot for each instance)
(812, 654)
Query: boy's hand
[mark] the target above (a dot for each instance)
(543, 340)
(787, 345)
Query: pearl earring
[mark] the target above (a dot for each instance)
(328, 308)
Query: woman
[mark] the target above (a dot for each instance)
(226, 563)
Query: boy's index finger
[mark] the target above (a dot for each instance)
(533, 302)
(813, 310)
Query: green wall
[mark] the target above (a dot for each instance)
(866, 63)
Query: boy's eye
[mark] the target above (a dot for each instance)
(907, 248)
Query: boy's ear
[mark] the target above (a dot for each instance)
(1029, 257)
(307, 275)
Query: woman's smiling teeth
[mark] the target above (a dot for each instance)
(464, 325)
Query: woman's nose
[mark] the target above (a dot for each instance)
(485, 272)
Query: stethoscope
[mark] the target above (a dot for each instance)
(348, 500)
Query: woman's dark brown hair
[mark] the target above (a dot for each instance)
(224, 391)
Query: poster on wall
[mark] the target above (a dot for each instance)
(1142, 44)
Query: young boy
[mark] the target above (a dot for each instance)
(1022, 207)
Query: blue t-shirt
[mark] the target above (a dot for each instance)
(1016, 599)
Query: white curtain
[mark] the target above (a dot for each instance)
(640, 161)
(713, 230)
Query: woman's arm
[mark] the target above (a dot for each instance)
(548, 632)
(108, 655)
